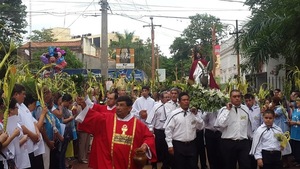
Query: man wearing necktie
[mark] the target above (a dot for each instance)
(255, 118)
(180, 130)
(234, 122)
(155, 121)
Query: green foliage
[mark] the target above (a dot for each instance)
(180, 49)
(207, 100)
(12, 21)
(273, 31)
(45, 35)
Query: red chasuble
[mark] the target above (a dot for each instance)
(98, 108)
(115, 140)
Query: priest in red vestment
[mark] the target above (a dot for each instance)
(110, 107)
(118, 135)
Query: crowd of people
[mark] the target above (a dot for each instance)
(130, 130)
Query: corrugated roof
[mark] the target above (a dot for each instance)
(46, 44)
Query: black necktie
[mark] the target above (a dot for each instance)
(236, 109)
(184, 113)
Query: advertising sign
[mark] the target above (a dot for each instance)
(124, 58)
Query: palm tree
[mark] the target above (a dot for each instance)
(272, 32)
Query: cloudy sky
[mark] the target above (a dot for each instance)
(83, 16)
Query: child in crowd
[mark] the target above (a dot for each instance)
(266, 147)
(295, 132)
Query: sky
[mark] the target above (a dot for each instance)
(84, 16)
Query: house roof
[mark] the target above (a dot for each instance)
(46, 44)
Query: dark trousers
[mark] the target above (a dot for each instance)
(185, 155)
(253, 162)
(213, 139)
(62, 154)
(162, 149)
(235, 151)
(54, 158)
(271, 160)
(295, 150)
(36, 162)
(201, 148)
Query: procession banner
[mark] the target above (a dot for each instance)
(124, 58)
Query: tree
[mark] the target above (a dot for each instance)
(45, 35)
(180, 49)
(12, 25)
(272, 32)
(198, 32)
(12, 21)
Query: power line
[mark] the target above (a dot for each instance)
(76, 18)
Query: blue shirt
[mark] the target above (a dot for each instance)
(49, 125)
(295, 129)
(281, 118)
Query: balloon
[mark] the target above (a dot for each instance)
(44, 59)
(51, 50)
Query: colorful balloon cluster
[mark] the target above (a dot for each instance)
(56, 56)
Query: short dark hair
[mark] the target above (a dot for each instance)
(18, 88)
(182, 94)
(248, 96)
(29, 99)
(66, 97)
(276, 100)
(127, 99)
(12, 103)
(146, 87)
(1, 99)
(277, 90)
(115, 94)
(269, 111)
(235, 90)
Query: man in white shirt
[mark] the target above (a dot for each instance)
(234, 121)
(255, 118)
(212, 140)
(156, 120)
(29, 127)
(142, 105)
(180, 130)
(173, 103)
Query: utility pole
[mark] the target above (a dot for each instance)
(30, 31)
(213, 49)
(104, 41)
(152, 57)
(237, 32)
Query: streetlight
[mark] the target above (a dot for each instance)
(237, 45)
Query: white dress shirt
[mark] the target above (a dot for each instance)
(210, 118)
(235, 125)
(266, 140)
(142, 103)
(181, 127)
(171, 105)
(28, 121)
(255, 117)
(157, 116)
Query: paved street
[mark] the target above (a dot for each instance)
(85, 166)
